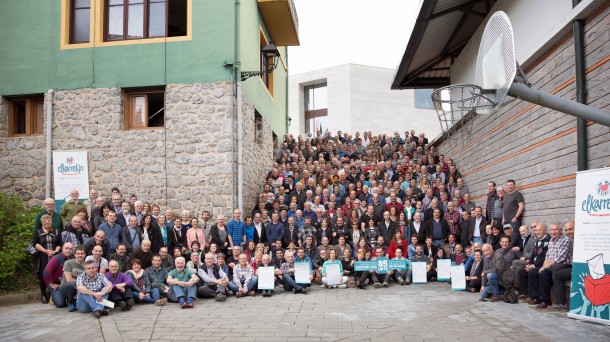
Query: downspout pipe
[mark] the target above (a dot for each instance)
(49, 136)
(240, 129)
(234, 80)
(581, 89)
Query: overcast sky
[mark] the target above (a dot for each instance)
(335, 32)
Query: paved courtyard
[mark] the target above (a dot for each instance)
(413, 313)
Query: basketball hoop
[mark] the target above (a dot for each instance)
(458, 103)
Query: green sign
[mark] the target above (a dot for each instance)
(381, 265)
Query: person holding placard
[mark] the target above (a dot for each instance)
(473, 272)
(286, 275)
(420, 257)
(332, 272)
(402, 277)
(266, 262)
(375, 275)
(361, 276)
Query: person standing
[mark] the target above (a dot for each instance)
(47, 243)
(513, 206)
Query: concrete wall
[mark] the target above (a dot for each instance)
(187, 165)
(536, 146)
(359, 99)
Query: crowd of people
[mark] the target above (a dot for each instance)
(328, 200)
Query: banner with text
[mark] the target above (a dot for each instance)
(590, 297)
(70, 171)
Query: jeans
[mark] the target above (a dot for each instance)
(86, 303)
(438, 243)
(154, 296)
(477, 240)
(177, 291)
(493, 286)
(208, 290)
(251, 285)
(58, 297)
(289, 283)
(68, 290)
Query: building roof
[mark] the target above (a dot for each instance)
(442, 29)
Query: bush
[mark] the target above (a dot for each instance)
(16, 230)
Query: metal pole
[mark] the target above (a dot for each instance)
(49, 136)
(560, 104)
(581, 89)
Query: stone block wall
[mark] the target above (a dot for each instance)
(536, 146)
(186, 165)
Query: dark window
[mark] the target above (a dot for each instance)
(137, 19)
(423, 99)
(144, 109)
(258, 128)
(80, 19)
(26, 115)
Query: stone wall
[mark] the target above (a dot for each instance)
(257, 156)
(536, 146)
(187, 165)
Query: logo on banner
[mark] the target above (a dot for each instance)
(70, 168)
(603, 188)
(598, 203)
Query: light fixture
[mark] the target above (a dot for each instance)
(289, 121)
(270, 51)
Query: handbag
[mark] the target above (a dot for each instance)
(31, 250)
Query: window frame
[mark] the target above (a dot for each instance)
(128, 94)
(145, 21)
(72, 24)
(31, 119)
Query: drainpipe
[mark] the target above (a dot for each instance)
(581, 89)
(49, 118)
(287, 83)
(237, 70)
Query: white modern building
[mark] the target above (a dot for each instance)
(354, 97)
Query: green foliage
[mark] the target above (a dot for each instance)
(16, 230)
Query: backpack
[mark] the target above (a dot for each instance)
(510, 296)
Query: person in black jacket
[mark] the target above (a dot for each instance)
(537, 258)
(437, 228)
(473, 272)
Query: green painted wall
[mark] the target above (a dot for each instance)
(32, 62)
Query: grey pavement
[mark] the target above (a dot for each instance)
(430, 312)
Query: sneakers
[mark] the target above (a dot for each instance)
(220, 297)
(130, 303)
(342, 286)
(239, 294)
(123, 305)
(401, 281)
(304, 290)
(385, 284)
(377, 285)
(251, 293)
(71, 307)
(161, 302)
(97, 314)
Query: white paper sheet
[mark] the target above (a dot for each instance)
(302, 272)
(266, 278)
(443, 269)
(106, 303)
(333, 274)
(458, 278)
(419, 272)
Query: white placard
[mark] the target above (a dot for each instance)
(70, 171)
(106, 303)
(302, 272)
(458, 278)
(443, 269)
(266, 278)
(333, 274)
(419, 272)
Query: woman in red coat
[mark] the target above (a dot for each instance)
(397, 242)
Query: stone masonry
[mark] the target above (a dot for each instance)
(186, 165)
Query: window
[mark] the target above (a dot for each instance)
(144, 109)
(138, 19)
(267, 77)
(422, 98)
(26, 115)
(258, 128)
(80, 18)
(316, 108)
